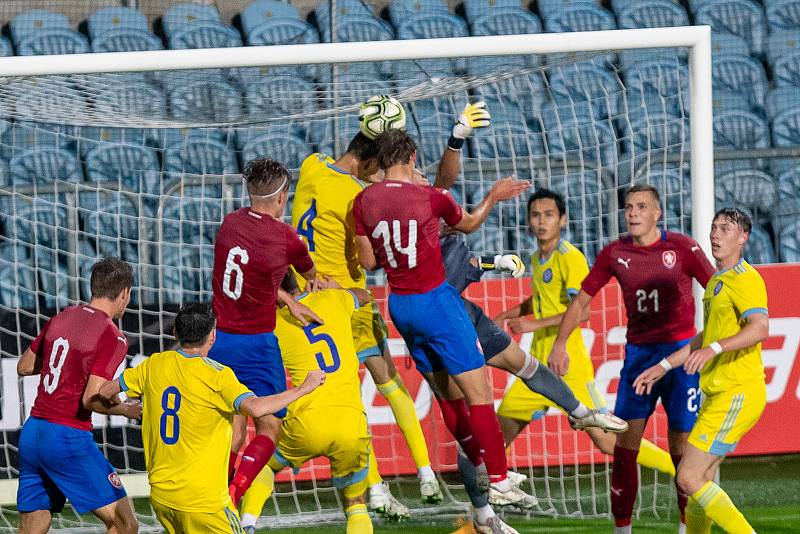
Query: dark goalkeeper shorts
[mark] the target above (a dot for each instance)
(493, 339)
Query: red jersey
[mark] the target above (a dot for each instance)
(252, 253)
(656, 284)
(78, 342)
(401, 221)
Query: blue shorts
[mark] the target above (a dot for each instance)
(255, 359)
(437, 330)
(679, 392)
(58, 462)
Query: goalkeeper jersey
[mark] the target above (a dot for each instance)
(321, 213)
(731, 296)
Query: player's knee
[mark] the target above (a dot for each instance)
(688, 480)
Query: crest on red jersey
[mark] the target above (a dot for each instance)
(113, 477)
(669, 258)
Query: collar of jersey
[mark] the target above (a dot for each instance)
(629, 239)
(738, 263)
(542, 261)
(337, 169)
(185, 355)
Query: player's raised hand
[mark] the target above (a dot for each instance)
(314, 379)
(303, 313)
(508, 188)
(509, 263)
(558, 360)
(698, 359)
(474, 116)
(643, 385)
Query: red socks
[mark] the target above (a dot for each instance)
(624, 485)
(682, 497)
(255, 457)
(457, 420)
(487, 430)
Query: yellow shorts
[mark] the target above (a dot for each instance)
(725, 417)
(338, 433)
(369, 332)
(522, 404)
(225, 521)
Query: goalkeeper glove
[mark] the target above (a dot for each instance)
(505, 263)
(474, 116)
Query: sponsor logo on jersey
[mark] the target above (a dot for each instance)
(547, 276)
(718, 288)
(113, 477)
(625, 262)
(669, 258)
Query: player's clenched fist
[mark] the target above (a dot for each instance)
(314, 379)
(558, 360)
(474, 116)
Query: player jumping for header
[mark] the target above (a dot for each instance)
(727, 354)
(655, 270)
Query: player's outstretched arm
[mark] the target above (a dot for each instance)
(100, 396)
(260, 406)
(473, 117)
(366, 256)
(643, 384)
(578, 309)
(503, 189)
(523, 308)
(754, 331)
(29, 363)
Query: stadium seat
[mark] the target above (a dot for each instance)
(54, 279)
(549, 8)
(23, 136)
(355, 88)
(200, 157)
(741, 74)
(178, 136)
(191, 218)
(744, 18)
(780, 44)
(108, 19)
(585, 84)
(133, 167)
(355, 28)
(180, 276)
(723, 43)
(473, 9)
(34, 21)
(650, 137)
(265, 11)
(40, 221)
(592, 141)
(674, 183)
(506, 22)
(727, 100)
(759, 249)
(740, 129)
(629, 58)
(432, 142)
(788, 184)
(618, 6)
(53, 41)
(111, 222)
(287, 149)
(5, 47)
(17, 278)
(276, 96)
(212, 100)
(180, 16)
(747, 188)
(786, 71)
(282, 32)
(431, 25)
(399, 10)
(126, 40)
(668, 77)
(781, 98)
(652, 14)
(508, 140)
(789, 241)
(421, 70)
(205, 34)
(579, 17)
(786, 133)
(43, 165)
(783, 15)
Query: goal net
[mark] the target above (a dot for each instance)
(100, 160)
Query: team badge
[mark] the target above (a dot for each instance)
(113, 477)
(547, 276)
(718, 288)
(669, 258)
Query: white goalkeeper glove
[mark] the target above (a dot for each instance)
(474, 116)
(505, 263)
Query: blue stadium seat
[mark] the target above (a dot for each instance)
(431, 26)
(723, 43)
(618, 6)
(506, 22)
(126, 40)
(759, 249)
(43, 165)
(17, 278)
(277, 96)
(181, 277)
(133, 167)
(23, 136)
(111, 222)
(5, 47)
(652, 14)
(287, 149)
(34, 21)
(727, 100)
(137, 99)
(355, 28)
(788, 185)
(205, 34)
(54, 279)
(180, 136)
(40, 221)
(786, 71)
(780, 44)
(421, 70)
(579, 17)
(781, 98)
(643, 135)
(740, 129)
(108, 19)
(53, 41)
(746, 188)
(509, 140)
(191, 218)
(212, 100)
(354, 88)
(549, 8)
(265, 11)
(344, 8)
(789, 242)
(629, 58)
(473, 9)
(783, 15)
(786, 133)
(591, 141)
(667, 77)
(200, 157)
(432, 142)
(400, 9)
(741, 74)
(744, 18)
(674, 183)
(282, 32)
(585, 84)
(180, 16)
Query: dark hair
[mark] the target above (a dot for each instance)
(194, 323)
(737, 217)
(547, 193)
(289, 282)
(644, 188)
(110, 277)
(394, 148)
(265, 176)
(362, 147)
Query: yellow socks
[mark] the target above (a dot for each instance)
(655, 458)
(373, 476)
(697, 522)
(258, 493)
(720, 509)
(402, 406)
(358, 521)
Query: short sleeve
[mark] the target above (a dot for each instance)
(37, 343)
(230, 392)
(349, 300)
(297, 252)
(749, 295)
(599, 275)
(358, 218)
(574, 269)
(698, 265)
(133, 379)
(444, 205)
(111, 351)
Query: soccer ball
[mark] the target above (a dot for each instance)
(380, 113)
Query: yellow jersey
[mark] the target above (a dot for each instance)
(328, 347)
(731, 296)
(322, 215)
(188, 405)
(556, 280)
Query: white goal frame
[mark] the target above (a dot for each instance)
(696, 38)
